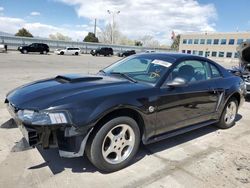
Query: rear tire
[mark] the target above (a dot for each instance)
(114, 145)
(229, 113)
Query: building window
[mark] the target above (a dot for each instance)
(216, 41)
(188, 51)
(202, 41)
(195, 52)
(229, 54)
(214, 54)
(209, 41)
(183, 51)
(207, 53)
(196, 41)
(223, 41)
(239, 41)
(221, 54)
(190, 41)
(184, 41)
(231, 42)
(201, 53)
(236, 55)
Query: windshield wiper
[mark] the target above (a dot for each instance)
(102, 71)
(124, 76)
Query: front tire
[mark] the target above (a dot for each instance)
(61, 53)
(229, 113)
(76, 53)
(114, 145)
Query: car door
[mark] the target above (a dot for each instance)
(104, 51)
(40, 48)
(189, 104)
(68, 51)
(32, 48)
(37, 48)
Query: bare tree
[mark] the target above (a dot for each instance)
(105, 36)
(149, 41)
(59, 36)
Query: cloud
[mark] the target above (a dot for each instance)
(12, 25)
(150, 17)
(1, 9)
(35, 13)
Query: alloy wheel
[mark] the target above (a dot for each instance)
(231, 112)
(118, 144)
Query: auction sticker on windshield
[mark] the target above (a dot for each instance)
(162, 63)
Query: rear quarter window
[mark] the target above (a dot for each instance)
(215, 73)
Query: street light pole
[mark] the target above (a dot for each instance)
(95, 27)
(113, 13)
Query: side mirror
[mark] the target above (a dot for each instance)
(177, 82)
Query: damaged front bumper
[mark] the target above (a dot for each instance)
(246, 78)
(67, 138)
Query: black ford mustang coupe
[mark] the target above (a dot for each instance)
(143, 98)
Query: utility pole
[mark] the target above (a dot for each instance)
(95, 27)
(113, 13)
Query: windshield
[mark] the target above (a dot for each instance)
(142, 69)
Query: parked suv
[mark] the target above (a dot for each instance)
(34, 47)
(68, 51)
(126, 53)
(102, 51)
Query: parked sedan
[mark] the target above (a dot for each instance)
(143, 98)
(126, 53)
(68, 51)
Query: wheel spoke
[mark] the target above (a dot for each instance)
(123, 131)
(129, 143)
(108, 151)
(119, 155)
(111, 136)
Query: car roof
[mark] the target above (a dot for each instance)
(173, 56)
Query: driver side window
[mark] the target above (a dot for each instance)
(191, 71)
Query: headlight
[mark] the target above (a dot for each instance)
(20, 47)
(42, 118)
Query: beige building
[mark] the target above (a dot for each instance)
(213, 45)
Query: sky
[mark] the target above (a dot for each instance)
(137, 18)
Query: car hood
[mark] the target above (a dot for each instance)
(23, 46)
(43, 94)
